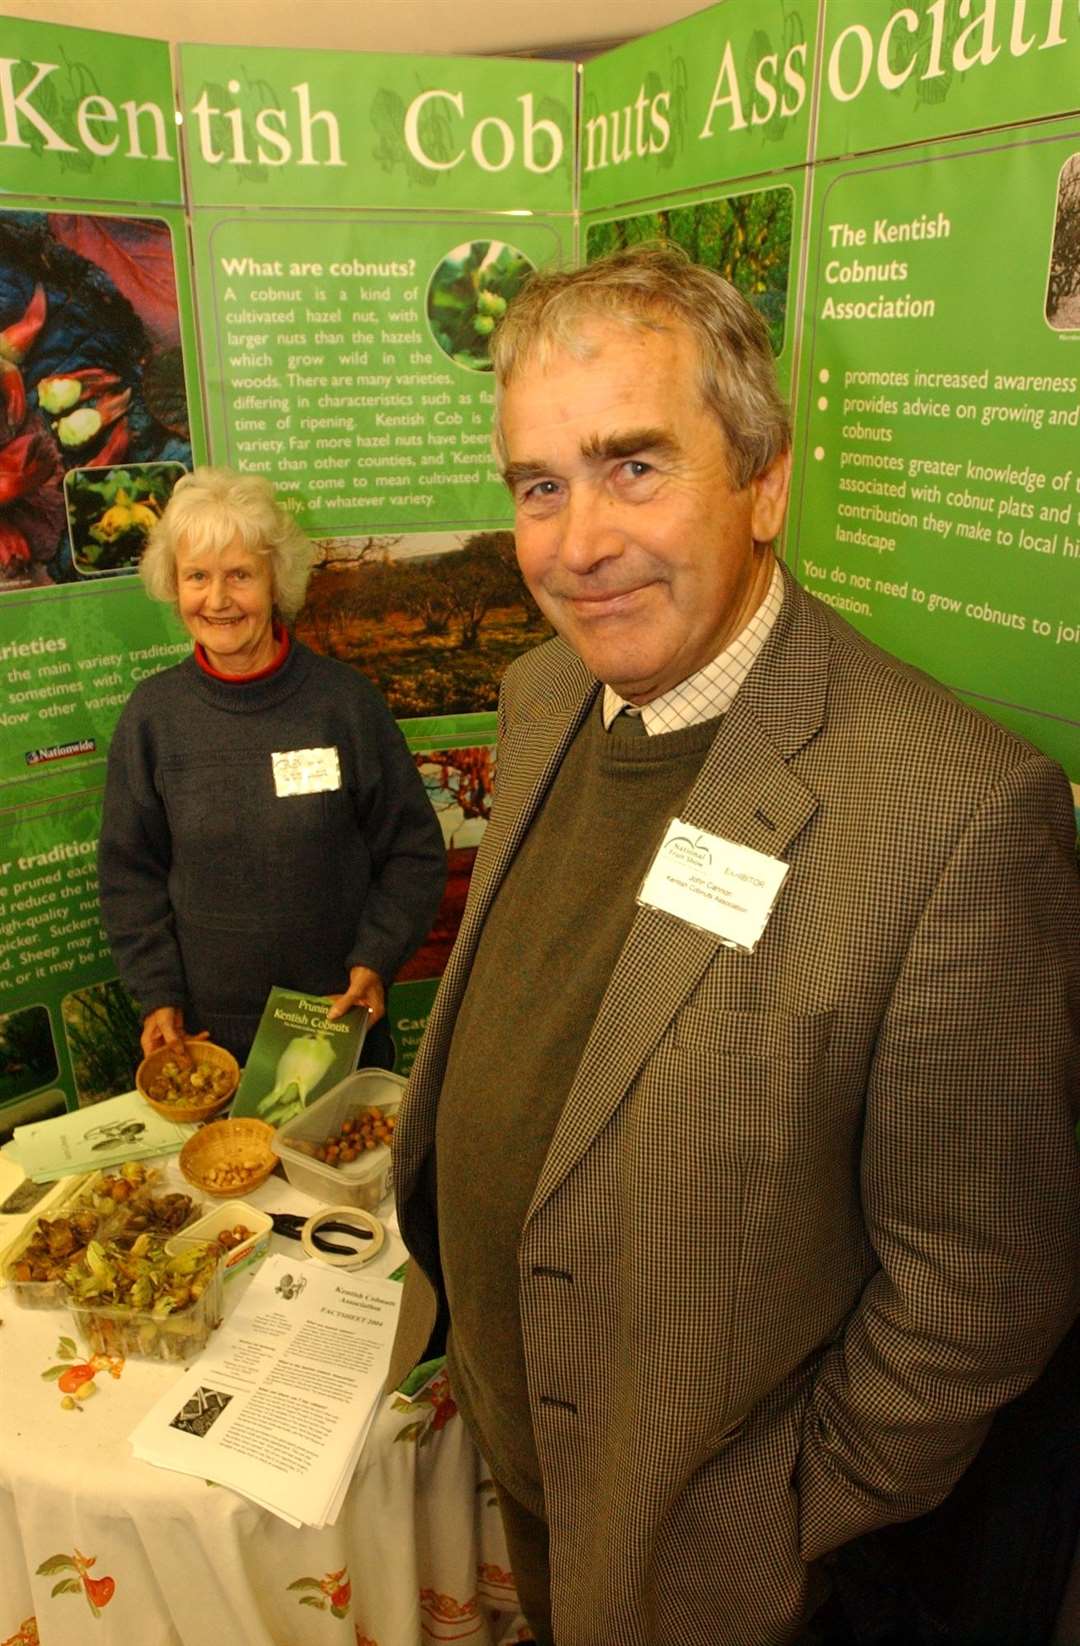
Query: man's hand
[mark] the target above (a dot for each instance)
(365, 989)
(161, 1028)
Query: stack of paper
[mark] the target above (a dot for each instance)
(279, 1404)
(94, 1139)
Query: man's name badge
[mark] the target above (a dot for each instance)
(714, 884)
(306, 771)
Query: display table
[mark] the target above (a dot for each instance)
(97, 1547)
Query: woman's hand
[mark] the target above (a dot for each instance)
(161, 1028)
(365, 989)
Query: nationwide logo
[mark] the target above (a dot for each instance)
(61, 751)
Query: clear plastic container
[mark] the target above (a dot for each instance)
(45, 1294)
(83, 1199)
(234, 1259)
(111, 1329)
(364, 1182)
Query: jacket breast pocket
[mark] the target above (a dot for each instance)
(789, 1037)
(765, 1084)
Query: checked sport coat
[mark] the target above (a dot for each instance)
(810, 1214)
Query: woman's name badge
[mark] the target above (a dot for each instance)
(306, 771)
(714, 884)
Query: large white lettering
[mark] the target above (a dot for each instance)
(272, 128)
(15, 104)
(492, 142)
(764, 99)
(856, 56)
(97, 120)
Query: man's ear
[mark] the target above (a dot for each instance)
(768, 498)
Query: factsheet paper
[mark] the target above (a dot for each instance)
(280, 1402)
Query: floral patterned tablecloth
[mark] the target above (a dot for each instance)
(98, 1549)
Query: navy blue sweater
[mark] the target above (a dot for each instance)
(214, 887)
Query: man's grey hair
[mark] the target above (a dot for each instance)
(211, 508)
(651, 286)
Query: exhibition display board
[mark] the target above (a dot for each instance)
(889, 186)
(293, 262)
(938, 466)
(341, 212)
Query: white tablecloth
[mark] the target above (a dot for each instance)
(96, 1547)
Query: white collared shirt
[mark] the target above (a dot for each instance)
(711, 691)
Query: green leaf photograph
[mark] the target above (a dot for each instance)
(468, 295)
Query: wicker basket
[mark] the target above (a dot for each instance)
(229, 1157)
(199, 1051)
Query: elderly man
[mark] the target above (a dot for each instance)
(738, 1151)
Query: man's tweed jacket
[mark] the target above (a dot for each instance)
(809, 1215)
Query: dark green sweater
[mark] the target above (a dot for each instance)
(548, 948)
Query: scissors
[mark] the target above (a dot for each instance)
(291, 1226)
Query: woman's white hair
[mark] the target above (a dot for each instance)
(212, 507)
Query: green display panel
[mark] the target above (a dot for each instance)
(266, 126)
(937, 486)
(408, 1009)
(893, 73)
(347, 356)
(69, 658)
(86, 115)
(724, 94)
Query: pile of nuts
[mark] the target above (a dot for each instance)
(231, 1174)
(363, 1131)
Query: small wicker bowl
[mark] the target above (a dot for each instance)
(229, 1157)
(199, 1051)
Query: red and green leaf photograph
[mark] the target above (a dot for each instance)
(91, 371)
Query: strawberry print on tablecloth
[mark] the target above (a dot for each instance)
(441, 1407)
(26, 1635)
(332, 1592)
(445, 1618)
(75, 1378)
(98, 1590)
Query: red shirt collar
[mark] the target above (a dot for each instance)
(281, 635)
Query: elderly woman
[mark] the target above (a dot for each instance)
(264, 823)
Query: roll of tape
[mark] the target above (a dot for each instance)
(356, 1219)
